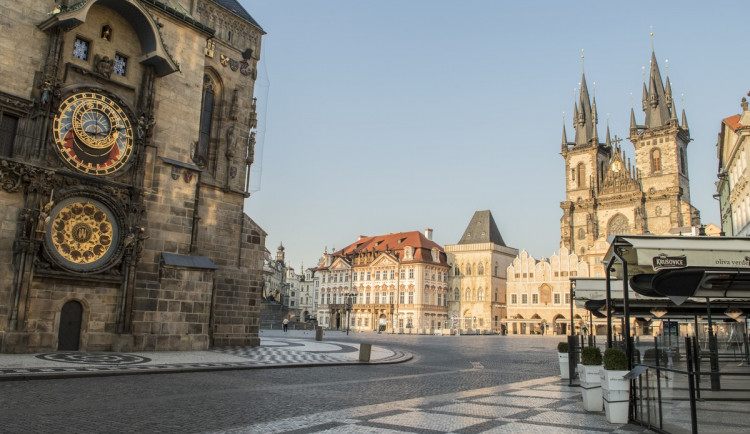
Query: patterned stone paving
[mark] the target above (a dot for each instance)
(537, 406)
(276, 352)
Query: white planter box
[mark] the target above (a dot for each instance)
(616, 395)
(591, 390)
(564, 361)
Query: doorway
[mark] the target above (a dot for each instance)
(69, 332)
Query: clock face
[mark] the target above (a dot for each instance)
(83, 234)
(93, 134)
(616, 166)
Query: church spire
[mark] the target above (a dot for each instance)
(684, 121)
(656, 106)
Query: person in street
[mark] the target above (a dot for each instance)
(285, 323)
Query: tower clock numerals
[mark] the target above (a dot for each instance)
(93, 134)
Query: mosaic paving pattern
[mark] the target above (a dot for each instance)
(108, 359)
(546, 407)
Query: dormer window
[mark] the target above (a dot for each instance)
(435, 255)
(408, 252)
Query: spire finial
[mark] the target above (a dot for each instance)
(583, 69)
(643, 73)
(666, 62)
(652, 37)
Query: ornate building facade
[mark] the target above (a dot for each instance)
(605, 194)
(477, 280)
(125, 153)
(733, 189)
(395, 283)
(539, 293)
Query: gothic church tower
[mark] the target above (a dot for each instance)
(606, 195)
(661, 157)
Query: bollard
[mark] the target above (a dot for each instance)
(364, 352)
(319, 333)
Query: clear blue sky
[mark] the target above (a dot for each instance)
(392, 115)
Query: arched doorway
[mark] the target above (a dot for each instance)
(338, 320)
(69, 331)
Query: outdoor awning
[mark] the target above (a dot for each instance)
(680, 267)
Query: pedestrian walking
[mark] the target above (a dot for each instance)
(285, 323)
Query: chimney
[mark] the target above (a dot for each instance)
(361, 236)
(428, 234)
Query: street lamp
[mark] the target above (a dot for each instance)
(348, 310)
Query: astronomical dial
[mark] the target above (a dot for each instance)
(93, 134)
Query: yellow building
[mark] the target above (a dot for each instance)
(395, 283)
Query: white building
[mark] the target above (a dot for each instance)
(734, 192)
(396, 283)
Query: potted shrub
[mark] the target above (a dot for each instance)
(589, 373)
(615, 388)
(563, 360)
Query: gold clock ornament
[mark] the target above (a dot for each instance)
(93, 134)
(83, 234)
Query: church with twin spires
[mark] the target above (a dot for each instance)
(607, 194)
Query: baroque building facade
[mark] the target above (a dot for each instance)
(732, 186)
(477, 279)
(127, 137)
(394, 283)
(605, 194)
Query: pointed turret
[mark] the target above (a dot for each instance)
(668, 96)
(633, 125)
(608, 140)
(684, 121)
(564, 147)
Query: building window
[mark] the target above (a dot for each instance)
(581, 234)
(534, 298)
(8, 128)
(81, 49)
(480, 269)
(367, 298)
(411, 297)
(377, 275)
(468, 269)
(368, 275)
(393, 274)
(440, 299)
(401, 297)
(411, 273)
(556, 298)
(480, 294)
(524, 299)
(656, 160)
(401, 273)
(581, 175)
(567, 298)
(514, 299)
(121, 65)
(207, 113)
(456, 295)
(683, 166)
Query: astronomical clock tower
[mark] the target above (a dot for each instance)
(127, 135)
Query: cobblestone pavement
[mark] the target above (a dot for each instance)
(450, 384)
(296, 350)
(539, 406)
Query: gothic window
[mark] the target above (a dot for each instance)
(496, 270)
(581, 175)
(480, 269)
(581, 234)
(8, 128)
(656, 160)
(468, 269)
(618, 225)
(683, 166)
(207, 112)
(456, 296)
(480, 294)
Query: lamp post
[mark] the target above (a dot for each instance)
(348, 311)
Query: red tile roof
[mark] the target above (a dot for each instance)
(733, 122)
(396, 243)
